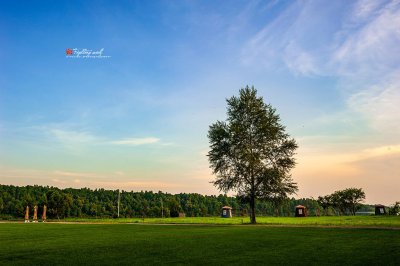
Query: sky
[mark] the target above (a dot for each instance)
(137, 117)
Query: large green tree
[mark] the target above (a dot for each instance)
(251, 154)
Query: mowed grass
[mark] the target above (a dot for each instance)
(137, 244)
(358, 221)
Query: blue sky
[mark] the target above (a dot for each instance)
(138, 120)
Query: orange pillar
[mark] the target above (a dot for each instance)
(35, 214)
(27, 215)
(44, 213)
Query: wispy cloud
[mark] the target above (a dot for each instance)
(364, 9)
(298, 38)
(74, 174)
(357, 44)
(380, 104)
(68, 136)
(79, 138)
(369, 46)
(300, 61)
(312, 39)
(267, 44)
(136, 141)
(60, 178)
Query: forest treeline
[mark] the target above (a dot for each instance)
(85, 202)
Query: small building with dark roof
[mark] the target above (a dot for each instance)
(226, 212)
(301, 211)
(380, 209)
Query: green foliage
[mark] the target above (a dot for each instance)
(395, 209)
(250, 152)
(325, 202)
(174, 207)
(101, 203)
(59, 204)
(346, 201)
(85, 202)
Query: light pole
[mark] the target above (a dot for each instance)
(162, 209)
(119, 197)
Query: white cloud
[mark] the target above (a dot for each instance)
(74, 174)
(72, 136)
(136, 141)
(77, 139)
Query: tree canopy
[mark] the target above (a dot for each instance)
(343, 201)
(250, 153)
(102, 203)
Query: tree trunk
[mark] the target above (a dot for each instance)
(253, 209)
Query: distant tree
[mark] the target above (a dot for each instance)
(59, 203)
(1, 205)
(167, 212)
(85, 202)
(174, 208)
(250, 151)
(346, 201)
(277, 202)
(337, 203)
(353, 197)
(55, 202)
(395, 209)
(325, 202)
(28, 200)
(17, 208)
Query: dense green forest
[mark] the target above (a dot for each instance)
(103, 203)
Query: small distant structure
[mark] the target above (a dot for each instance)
(380, 209)
(301, 211)
(182, 215)
(27, 214)
(226, 212)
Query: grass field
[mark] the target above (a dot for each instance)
(359, 221)
(112, 244)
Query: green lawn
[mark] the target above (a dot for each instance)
(367, 221)
(107, 244)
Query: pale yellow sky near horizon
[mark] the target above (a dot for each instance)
(316, 175)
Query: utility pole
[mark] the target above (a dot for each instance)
(162, 209)
(119, 197)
